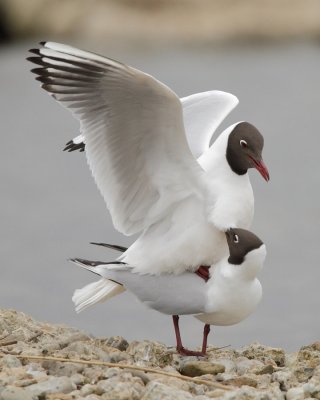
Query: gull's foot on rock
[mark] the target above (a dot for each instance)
(185, 352)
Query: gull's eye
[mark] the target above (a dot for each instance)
(236, 238)
(243, 143)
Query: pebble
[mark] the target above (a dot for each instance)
(121, 391)
(61, 384)
(245, 365)
(214, 394)
(87, 389)
(16, 393)
(77, 379)
(229, 365)
(198, 368)
(118, 342)
(241, 381)
(9, 361)
(265, 353)
(159, 391)
(151, 354)
(172, 382)
(266, 369)
(57, 368)
(296, 393)
(285, 378)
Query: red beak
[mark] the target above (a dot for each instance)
(261, 167)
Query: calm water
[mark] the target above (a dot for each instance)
(51, 209)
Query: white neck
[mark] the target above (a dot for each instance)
(246, 271)
(230, 195)
(215, 159)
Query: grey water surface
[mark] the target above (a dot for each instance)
(51, 209)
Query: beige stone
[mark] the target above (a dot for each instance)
(198, 368)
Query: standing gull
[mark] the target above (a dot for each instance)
(231, 293)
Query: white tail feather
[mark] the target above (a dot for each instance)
(94, 293)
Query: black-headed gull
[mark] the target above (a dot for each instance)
(137, 150)
(231, 293)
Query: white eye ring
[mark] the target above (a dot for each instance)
(243, 143)
(236, 238)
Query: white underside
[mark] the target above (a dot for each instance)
(234, 291)
(234, 304)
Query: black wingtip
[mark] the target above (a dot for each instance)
(81, 261)
(35, 60)
(34, 51)
(111, 246)
(43, 43)
(71, 146)
(39, 71)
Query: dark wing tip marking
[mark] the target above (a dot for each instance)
(43, 43)
(93, 263)
(70, 146)
(37, 70)
(87, 262)
(35, 60)
(111, 246)
(35, 51)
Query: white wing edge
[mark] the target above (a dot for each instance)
(202, 114)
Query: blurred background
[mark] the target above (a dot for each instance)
(265, 52)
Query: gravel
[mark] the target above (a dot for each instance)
(253, 372)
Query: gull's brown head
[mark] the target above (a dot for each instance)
(244, 150)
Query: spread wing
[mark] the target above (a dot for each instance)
(133, 128)
(203, 113)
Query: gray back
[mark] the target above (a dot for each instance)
(168, 294)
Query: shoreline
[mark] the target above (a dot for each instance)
(153, 21)
(143, 370)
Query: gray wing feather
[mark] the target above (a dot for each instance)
(168, 294)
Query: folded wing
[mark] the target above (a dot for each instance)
(133, 128)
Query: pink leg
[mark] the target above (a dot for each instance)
(180, 349)
(206, 331)
(177, 332)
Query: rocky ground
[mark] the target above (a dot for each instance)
(253, 372)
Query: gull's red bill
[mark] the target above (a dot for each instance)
(261, 167)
